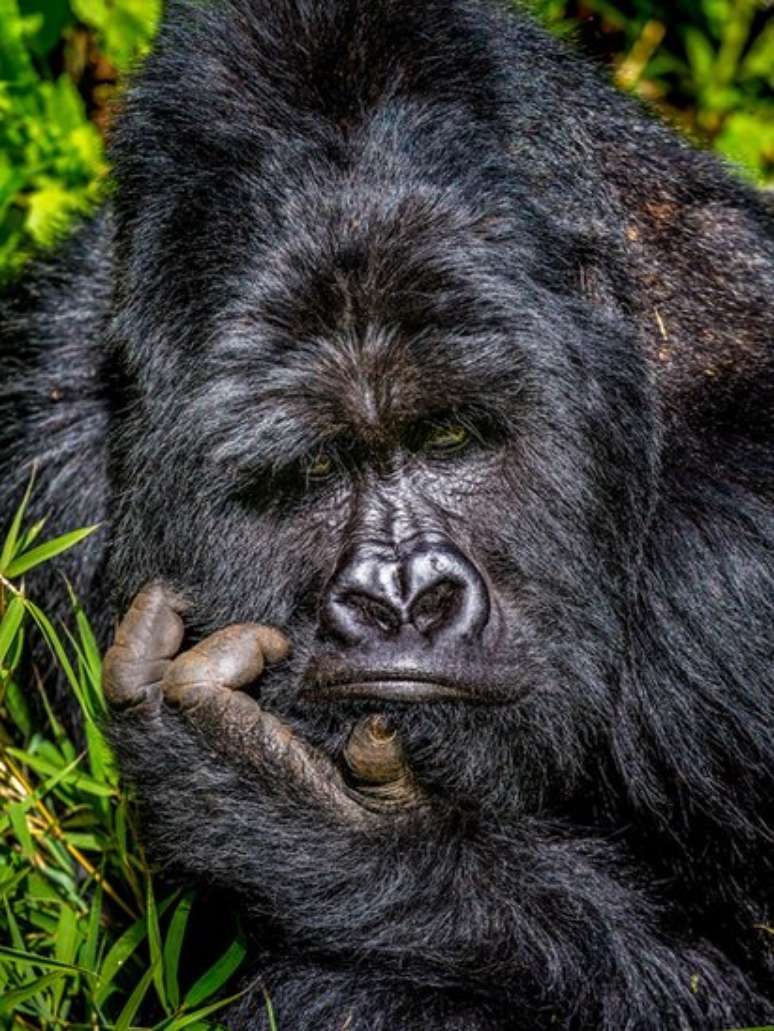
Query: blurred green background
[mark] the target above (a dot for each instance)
(707, 64)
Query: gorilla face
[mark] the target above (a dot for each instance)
(403, 452)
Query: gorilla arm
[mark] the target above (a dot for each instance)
(379, 871)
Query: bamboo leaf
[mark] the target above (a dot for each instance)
(74, 779)
(133, 1003)
(214, 978)
(173, 945)
(122, 950)
(154, 944)
(47, 551)
(9, 626)
(33, 960)
(12, 537)
(18, 818)
(11, 1000)
(189, 1019)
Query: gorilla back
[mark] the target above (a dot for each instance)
(408, 341)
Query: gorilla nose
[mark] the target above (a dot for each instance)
(425, 583)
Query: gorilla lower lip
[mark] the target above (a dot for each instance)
(391, 690)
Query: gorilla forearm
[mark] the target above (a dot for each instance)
(421, 889)
(434, 900)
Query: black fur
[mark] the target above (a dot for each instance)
(335, 218)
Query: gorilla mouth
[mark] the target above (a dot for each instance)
(406, 685)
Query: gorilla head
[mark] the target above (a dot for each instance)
(430, 352)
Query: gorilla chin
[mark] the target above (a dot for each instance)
(410, 363)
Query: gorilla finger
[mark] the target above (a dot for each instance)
(129, 682)
(295, 762)
(152, 628)
(222, 663)
(150, 633)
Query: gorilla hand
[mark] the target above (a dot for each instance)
(143, 671)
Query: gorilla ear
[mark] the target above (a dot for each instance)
(700, 252)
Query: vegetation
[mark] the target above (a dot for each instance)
(708, 65)
(59, 60)
(89, 940)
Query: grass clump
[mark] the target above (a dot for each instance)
(88, 937)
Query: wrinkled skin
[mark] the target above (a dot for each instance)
(143, 670)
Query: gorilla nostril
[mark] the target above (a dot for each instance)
(426, 587)
(435, 606)
(372, 612)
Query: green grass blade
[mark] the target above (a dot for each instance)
(214, 978)
(11, 1000)
(33, 960)
(133, 1003)
(21, 829)
(88, 956)
(173, 944)
(270, 1011)
(65, 943)
(9, 626)
(154, 944)
(187, 1019)
(54, 643)
(75, 778)
(16, 936)
(122, 950)
(12, 537)
(30, 536)
(47, 551)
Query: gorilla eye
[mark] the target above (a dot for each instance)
(320, 466)
(444, 440)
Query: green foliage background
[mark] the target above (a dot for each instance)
(707, 64)
(59, 60)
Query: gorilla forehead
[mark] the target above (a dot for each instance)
(285, 398)
(377, 320)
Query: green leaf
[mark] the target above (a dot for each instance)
(18, 710)
(133, 1003)
(9, 626)
(54, 643)
(66, 935)
(47, 551)
(173, 945)
(11, 1000)
(13, 927)
(701, 56)
(33, 960)
(122, 950)
(154, 944)
(65, 944)
(73, 777)
(214, 978)
(270, 1011)
(189, 1019)
(88, 956)
(12, 537)
(18, 817)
